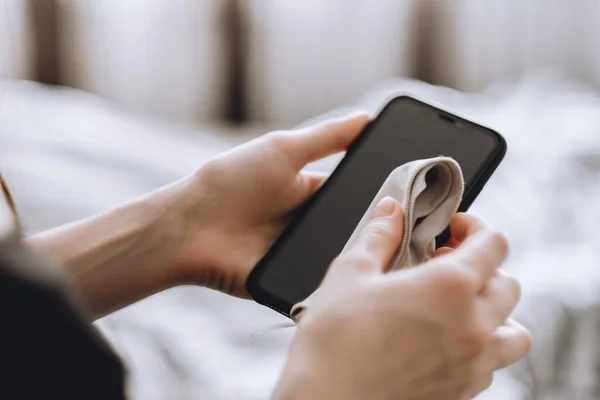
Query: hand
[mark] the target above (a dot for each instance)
(462, 226)
(431, 333)
(210, 228)
(238, 203)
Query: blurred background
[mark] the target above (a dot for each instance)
(283, 62)
(102, 100)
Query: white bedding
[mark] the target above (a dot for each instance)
(68, 154)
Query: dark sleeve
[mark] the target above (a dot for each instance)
(48, 350)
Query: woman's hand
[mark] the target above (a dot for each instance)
(210, 228)
(237, 204)
(436, 332)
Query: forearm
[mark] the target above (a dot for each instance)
(118, 257)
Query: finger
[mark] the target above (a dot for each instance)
(461, 227)
(442, 251)
(481, 254)
(500, 296)
(510, 343)
(314, 179)
(323, 139)
(380, 238)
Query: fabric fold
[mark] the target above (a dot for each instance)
(430, 192)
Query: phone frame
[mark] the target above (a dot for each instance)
(261, 296)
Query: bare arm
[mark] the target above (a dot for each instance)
(208, 229)
(118, 257)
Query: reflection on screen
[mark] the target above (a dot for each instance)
(405, 131)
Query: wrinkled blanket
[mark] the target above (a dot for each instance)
(69, 154)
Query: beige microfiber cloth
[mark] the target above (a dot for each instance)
(430, 192)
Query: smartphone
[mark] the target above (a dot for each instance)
(406, 129)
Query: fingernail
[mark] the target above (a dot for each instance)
(384, 208)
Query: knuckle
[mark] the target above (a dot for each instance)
(500, 241)
(356, 260)
(473, 342)
(514, 286)
(455, 282)
(362, 263)
(342, 261)
(342, 258)
(508, 286)
(514, 350)
(338, 263)
(502, 360)
(380, 228)
(209, 175)
(279, 139)
(339, 259)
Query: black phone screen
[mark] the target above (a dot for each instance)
(404, 131)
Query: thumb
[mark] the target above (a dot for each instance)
(382, 235)
(318, 141)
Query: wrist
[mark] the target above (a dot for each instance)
(205, 235)
(158, 229)
(161, 229)
(116, 258)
